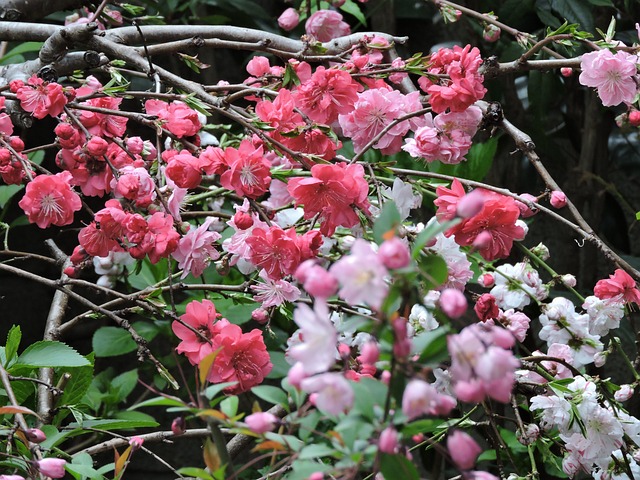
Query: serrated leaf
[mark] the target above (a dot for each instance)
(13, 342)
(78, 383)
(50, 354)
(112, 341)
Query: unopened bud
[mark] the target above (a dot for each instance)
(566, 72)
(178, 426)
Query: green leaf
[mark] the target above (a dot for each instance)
(157, 402)
(112, 341)
(387, 223)
(271, 394)
(24, 47)
(195, 473)
(428, 233)
(316, 451)
(602, 3)
(352, 8)
(50, 354)
(213, 390)
(113, 424)
(13, 342)
(78, 384)
(7, 192)
(576, 11)
(280, 365)
(434, 269)
(124, 384)
(398, 466)
(229, 406)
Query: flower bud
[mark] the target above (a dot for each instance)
(470, 205)
(530, 434)
(51, 467)
(178, 426)
(394, 253)
(260, 315)
(634, 118)
(16, 143)
(242, 220)
(388, 442)
(482, 240)
(453, 302)
(541, 251)
(135, 145)
(491, 33)
(463, 450)
(486, 307)
(296, 374)
(487, 280)
(136, 443)
(35, 435)
(289, 19)
(624, 394)
(369, 353)
(525, 210)
(566, 72)
(97, 146)
(568, 280)
(261, 422)
(558, 199)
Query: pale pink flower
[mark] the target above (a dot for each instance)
(361, 275)
(463, 449)
(317, 349)
(453, 302)
(334, 394)
(394, 253)
(422, 398)
(261, 422)
(316, 280)
(196, 249)
(325, 25)
(272, 293)
(612, 74)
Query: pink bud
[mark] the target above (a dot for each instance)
(344, 350)
(369, 353)
(289, 19)
(16, 143)
(569, 280)
(136, 443)
(316, 476)
(487, 280)
(319, 282)
(634, 118)
(35, 435)
(566, 72)
(260, 315)
(482, 240)
(242, 220)
(491, 33)
(530, 434)
(463, 450)
(470, 205)
(261, 422)
(11, 477)
(388, 442)
(394, 253)
(51, 467)
(453, 302)
(385, 377)
(558, 199)
(135, 145)
(97, 146)
(525, 210)
(178, 426)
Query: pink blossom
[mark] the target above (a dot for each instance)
(620, 283)
(35, 435)
(261, 422)
(362, 276)
(374, 110)
(243, 357)
(6, 126)
(624, 394)
(327, 94)
(135, 184)
(296, 374)
(183, 169)
(612, 74)
(464, 85)
(388, 441)
(334, 394)
(177, 117)
(421, 398)
(394, 253)
(317, 350)
(200, 316)
(525, 210)
(316, 280)
(52, 467)
(516, 322)
(49, 200)
(289, 19)
(101, 124)
(249, 171)
(332, 191)
(163, 238)
(325, 25)
(480, 364)
(463, 449)
(41, 98)
(470, 205)
(453, 302)
(196, 249)
(272, 293)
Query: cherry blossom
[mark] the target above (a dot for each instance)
(317, 349)
(196, 249)
(612, 74)
(49, 200)
(334, 395)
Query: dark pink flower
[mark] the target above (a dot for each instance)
(177, 117)
(42, 98)
(200, 316)
(249, 172)
(620, 283)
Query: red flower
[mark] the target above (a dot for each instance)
(332, 191)
(49, 200)
(177, 117)
(486, 307)
(242, 357)
(620, 283)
